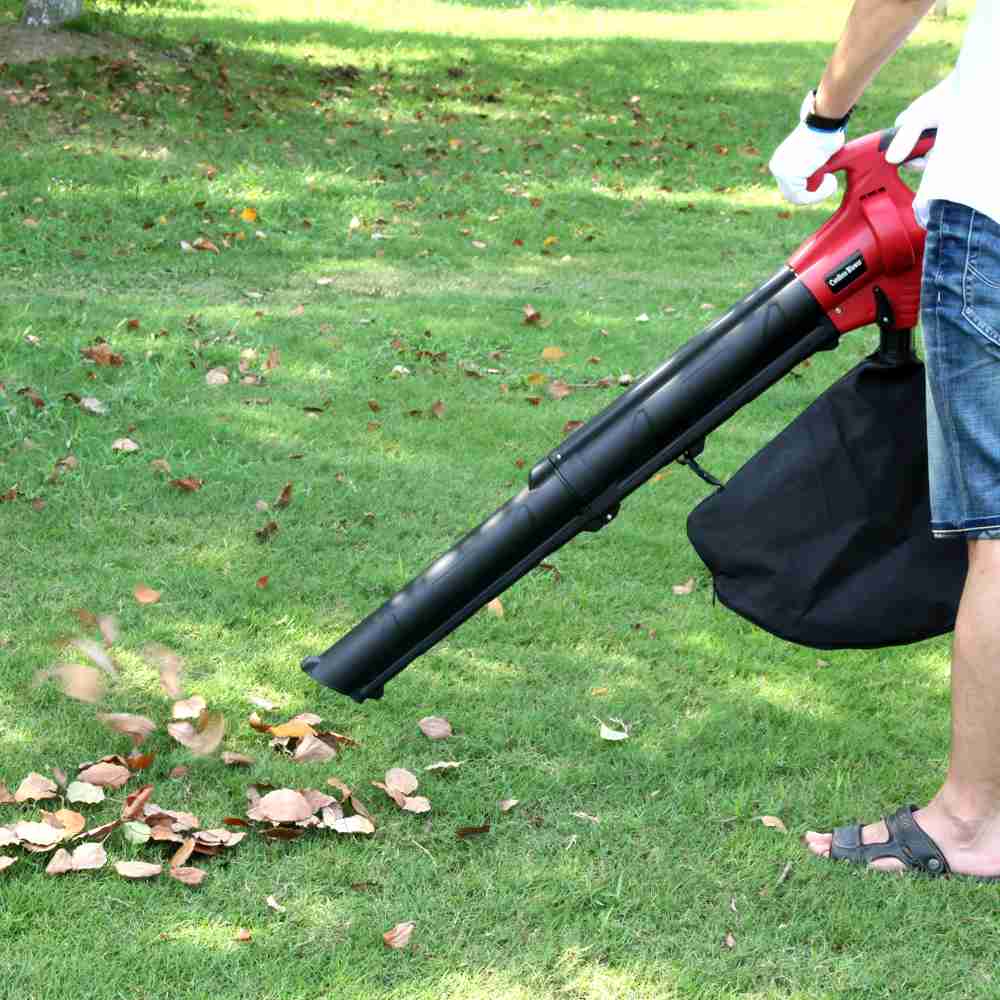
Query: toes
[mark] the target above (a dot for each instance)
(819, 843)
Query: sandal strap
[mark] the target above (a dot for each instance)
(907, 843)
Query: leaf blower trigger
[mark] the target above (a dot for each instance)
(862, 266)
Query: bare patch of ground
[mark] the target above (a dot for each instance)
(20, 45)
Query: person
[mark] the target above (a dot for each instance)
(958, 202)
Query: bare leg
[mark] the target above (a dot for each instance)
(964, 817)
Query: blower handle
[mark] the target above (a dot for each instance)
(862, 155)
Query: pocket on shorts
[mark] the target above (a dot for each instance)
(981, 280)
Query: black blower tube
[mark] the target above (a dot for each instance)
(579, 485)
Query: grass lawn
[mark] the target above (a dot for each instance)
(388, 184)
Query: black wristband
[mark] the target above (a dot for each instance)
(826, 124)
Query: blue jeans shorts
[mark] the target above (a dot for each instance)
(960, 316)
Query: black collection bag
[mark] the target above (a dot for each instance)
(823, 538)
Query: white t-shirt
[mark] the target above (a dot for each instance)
(964, 166)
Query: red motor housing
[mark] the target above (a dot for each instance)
(873, 239)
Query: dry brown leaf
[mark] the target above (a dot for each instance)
(89, 857)
(108, 626)
(558, 389)
(146, 595)
(217, 376)
(729, 941)
(6, 861)
(233, 759)
(139, 761)
(190, 708)
(77, 681)
(354, 824)
(187, 484)
(71, 823)
(83, 791)
(135, 802)
(495, 607)
(188, 876)
(137, 869)
(35, 787)
(181, 855)
(471, 831)
(293, 729)
(398, 797)
(6, 798)
(101, 832)
(686, 587)
(242, 934)
(312, 750)
(399, 936)
(416, 804)
(284, 805)
(105, 775)
(507, 804)
(37, 834)
(531, 315)
(553, 354)
(62, 862)
(203, 244)
(344, 790)
(285, 497)
(773, 822)
(125, 445)
(435, 727)
(136, 727)
(401, 780)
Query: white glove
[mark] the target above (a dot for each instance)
(801, 155)
(927, 111)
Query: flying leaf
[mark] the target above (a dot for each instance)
(136, 727)
(203, 740)
(435, 727)
(399, 936)
(189, 708)
(77, 681)
(97, 654)
(169, 665)
(233, 759)
(137, 869)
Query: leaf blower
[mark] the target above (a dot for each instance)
(822, 538)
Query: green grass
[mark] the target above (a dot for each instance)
(499, 124)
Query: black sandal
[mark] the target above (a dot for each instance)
(907, 843)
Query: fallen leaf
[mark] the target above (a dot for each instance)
(471, 831)
(507, 804)
(137, 869)
(105, 775)
(124, 445)
(83, 791)
(444, 765)
(586, 816)
(6, 861)
(262, 582)
(284, 805)
(729, 941)
(96, 653)
(34, 787)
(37, 834)
(93, 405)
(553, 354)
(188, 484)
(613, 735)
(558, 389)
(773, 822)
(71, 823)
(203, 244)
(531, 315)
(233, 759)
(242, 934)
(285, 498)
(354, 824)
(275, 905)
(399, 936)
(495, 607)
(684, 588)
(416, 804)
(188, 876)
(217, 376)
(295, 729)
(267, 532)
(437, 409)
(62, 862)
(135, 802)
(312, 750)
(435, 727)
(136, 832)
(249, 214)
(401, 780)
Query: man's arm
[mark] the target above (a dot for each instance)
(874, 30)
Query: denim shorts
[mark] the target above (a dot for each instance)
(960, 316)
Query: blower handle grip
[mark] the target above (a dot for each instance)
(859, 156)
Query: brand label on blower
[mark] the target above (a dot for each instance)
(845, 272)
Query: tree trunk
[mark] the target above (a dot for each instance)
(50, 13)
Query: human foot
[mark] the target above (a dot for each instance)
(932, 839)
